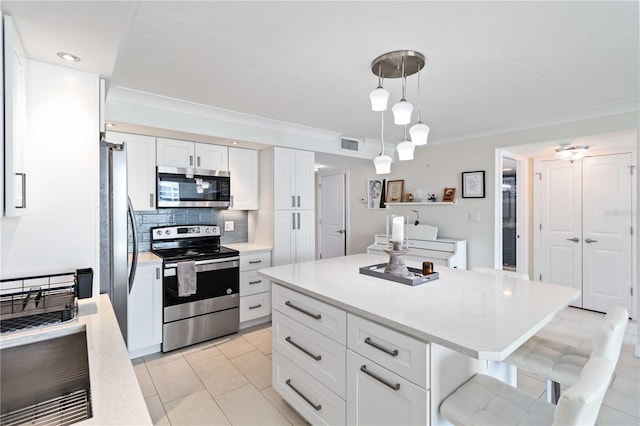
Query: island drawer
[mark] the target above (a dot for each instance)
(319, 316)
(404, 355)
(321, 357)
(315, 402)
(252, 283)
(254, 261)
(255, 306)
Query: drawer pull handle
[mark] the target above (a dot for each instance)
(378, 346)
(256, 306)
(316, 407)
(253, 262)
(255, 282)
(304, 311)
(380, 379)
(316, 357)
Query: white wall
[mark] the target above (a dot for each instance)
(59, 233)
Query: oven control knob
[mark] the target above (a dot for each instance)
(158, 232)
(229, 291)
(167, 232)
(207, 230)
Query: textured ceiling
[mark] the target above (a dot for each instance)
(491, 66)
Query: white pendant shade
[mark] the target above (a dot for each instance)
(383, 164)
(419, 133)
(379, 98)
(405, 150)
(402, 112)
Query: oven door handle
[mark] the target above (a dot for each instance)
(211, 265)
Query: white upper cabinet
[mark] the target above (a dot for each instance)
(293, 179)
(14, 122)
(141, 168)
(177, 153)
(212, 157)
(243, 165)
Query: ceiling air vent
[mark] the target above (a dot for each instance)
(349, 144)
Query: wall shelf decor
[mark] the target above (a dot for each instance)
(424, 203)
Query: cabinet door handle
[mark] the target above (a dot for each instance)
(298, 201)
(298, 220)
(395, 387)
(198, 160)
(151, 199)
(255, 306)
(255, 282)
(157, 273)
(23, 205)
(589, 241)
(231, 202)
(304, 311)
(293, 221)
(293, 201)
(315, 407)
(253, 262)
(191, 160)
(312, 355)
(392, 352)
(574, 239)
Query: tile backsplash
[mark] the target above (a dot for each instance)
(146, 220)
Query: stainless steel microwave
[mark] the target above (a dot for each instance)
(181, 187)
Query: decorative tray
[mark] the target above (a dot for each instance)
(415, 275)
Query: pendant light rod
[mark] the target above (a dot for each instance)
(382, 133)
(404, 80)
(418, 72)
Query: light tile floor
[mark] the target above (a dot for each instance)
(228, 381)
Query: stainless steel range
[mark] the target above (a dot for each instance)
(213, 310)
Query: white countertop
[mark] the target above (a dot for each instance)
(480, 315)
(116, 398)
(248, 248)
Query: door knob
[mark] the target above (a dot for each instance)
(340, 231)
(574, 239)
(589, 241)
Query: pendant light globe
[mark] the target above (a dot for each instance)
(405, 150)
(379, 98)
(383, 164)
(419, 133)
(402, 112)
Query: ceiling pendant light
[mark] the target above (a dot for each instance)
(405, 148)
(419, 132)
(402, 109)
(379, 96)
(382, 162)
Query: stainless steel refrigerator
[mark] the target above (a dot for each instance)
(116, 215)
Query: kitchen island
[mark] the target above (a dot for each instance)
(352, 348)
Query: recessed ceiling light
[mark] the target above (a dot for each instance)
(68, 57)
(111, 125)
(234, 142)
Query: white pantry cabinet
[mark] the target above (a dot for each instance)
(244, 169)
(144, 310)
(141, 168)
(186, 154)
(15, 178)
(294, 239)
(293, 176)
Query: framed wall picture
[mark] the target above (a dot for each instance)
(449, 195)
(374, 193)
(394, 191)
(473, 184)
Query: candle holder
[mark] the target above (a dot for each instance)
(397, 245)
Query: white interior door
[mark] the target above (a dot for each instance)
(332, 216)
(558, 197)
(607, 223)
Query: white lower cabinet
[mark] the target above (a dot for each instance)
(144, 311)
(338, 368)
(255, 290)
(377, 396)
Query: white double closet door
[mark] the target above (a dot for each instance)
(582, 216)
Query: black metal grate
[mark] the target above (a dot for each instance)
(65, 410)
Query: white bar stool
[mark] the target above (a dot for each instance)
(560, 363)
(483, 400)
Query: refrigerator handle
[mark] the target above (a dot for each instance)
(134, 260)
